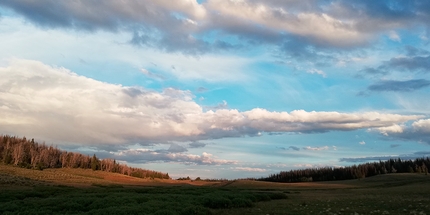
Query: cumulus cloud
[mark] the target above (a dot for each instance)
(362, 143)
(58, 105)
(422, 125)
(418, 131)
(390, 129)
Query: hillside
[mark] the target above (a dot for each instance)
(16, 176)
(32, 155)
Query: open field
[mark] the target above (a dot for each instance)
(77, 191)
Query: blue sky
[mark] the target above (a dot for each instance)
(219, 88)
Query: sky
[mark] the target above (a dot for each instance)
(219, 88)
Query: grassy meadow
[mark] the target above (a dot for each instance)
(78, 191)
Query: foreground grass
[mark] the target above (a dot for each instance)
(115, 199)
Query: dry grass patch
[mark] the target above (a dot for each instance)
(87, 177)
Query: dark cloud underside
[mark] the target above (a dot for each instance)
(404, 86)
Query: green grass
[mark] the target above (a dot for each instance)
(127, 200)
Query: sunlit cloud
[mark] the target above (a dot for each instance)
(72, 108)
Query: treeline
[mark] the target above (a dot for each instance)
(419, 165)
(199, 179)
(29, 154)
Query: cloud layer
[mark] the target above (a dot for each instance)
(56, 104)
(148, 156)
(182, 25)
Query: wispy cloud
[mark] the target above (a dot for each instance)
(317, 71)
(152, 75)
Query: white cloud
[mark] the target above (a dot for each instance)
(362, 143)
(422, 125)
(417, 131)
(55, 104)
(390, 129)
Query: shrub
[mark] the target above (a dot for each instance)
(165, 212)
(274, 196)
(241, 203)
(216, 202)
(262, 197)
(196, 210)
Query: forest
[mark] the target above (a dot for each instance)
(419, 165)
(30, 154)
